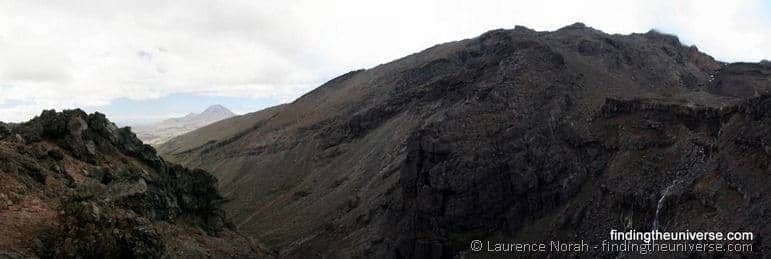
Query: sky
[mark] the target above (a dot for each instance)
(144, 60)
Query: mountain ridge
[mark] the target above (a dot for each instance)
(513, 135)
(160, 132)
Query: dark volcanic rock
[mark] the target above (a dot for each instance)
(78, 186)
(516, 135)
(5, 130)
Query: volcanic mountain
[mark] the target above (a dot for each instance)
(73, 185)
(516, 135)
(160, 132)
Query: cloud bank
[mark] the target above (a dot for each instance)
(65, 54)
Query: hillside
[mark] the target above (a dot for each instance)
(73, 185)
(160, 132)
(513, 135)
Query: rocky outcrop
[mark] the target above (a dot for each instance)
(75, 185)
(516, 135)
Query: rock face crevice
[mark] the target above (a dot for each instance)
(75, 185)
(514, 135)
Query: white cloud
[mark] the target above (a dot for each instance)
(58, 54)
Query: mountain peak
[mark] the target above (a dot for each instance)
(218, 109)
(161, 132)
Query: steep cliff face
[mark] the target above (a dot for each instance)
(75, 185)
(516, 135)
(570, 183)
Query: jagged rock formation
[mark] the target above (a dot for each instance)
(515, 135)
(160, 132)
(75, 185)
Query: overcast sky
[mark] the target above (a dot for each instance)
(143, 60)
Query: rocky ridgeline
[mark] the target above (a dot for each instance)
(75, 185)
